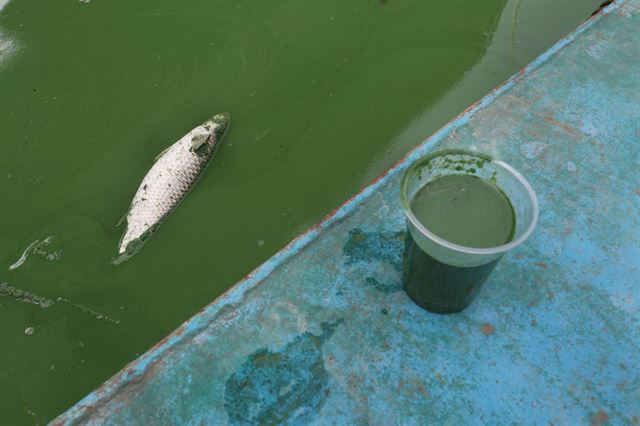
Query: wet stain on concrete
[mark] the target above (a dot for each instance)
(599, 418)
(284, 387)
(381, 287)
(385, 247)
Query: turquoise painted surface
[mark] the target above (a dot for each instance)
(551, 339)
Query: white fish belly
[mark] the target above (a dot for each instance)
(164, 186)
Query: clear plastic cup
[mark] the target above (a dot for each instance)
(442, 276)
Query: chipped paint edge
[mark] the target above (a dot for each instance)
(135, 370)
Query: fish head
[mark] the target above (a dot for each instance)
(213, 131)
(220, 125)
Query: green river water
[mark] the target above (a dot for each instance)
(323, 95)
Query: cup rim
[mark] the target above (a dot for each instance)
(457, 247)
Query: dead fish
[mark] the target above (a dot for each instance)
(174, 173)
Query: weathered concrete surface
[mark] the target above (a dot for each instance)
(322, 333)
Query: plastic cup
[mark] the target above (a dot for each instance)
(439, 275)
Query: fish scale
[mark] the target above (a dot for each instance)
(171, 177)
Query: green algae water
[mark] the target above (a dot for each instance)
(91, 91)
(465, 210)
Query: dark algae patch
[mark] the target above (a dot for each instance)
(381, 287)
(385, 247)
(284, 387)
(465, 210)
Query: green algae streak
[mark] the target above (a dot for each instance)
(324, 96)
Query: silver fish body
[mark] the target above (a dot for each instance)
(173, 174)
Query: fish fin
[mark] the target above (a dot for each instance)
(123, 218)
(198, 140)
(161, 154)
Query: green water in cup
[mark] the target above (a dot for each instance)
(460, 222)
(466, 210)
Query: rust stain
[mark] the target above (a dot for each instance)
(439, 378)
(638, 192)
(567, 227)
(549, 119)
(423, 391)
(359, 238)
(353, 381)
(541, 264)
(600, 418)
(487, 329)
(534, 323)
(177, 333)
